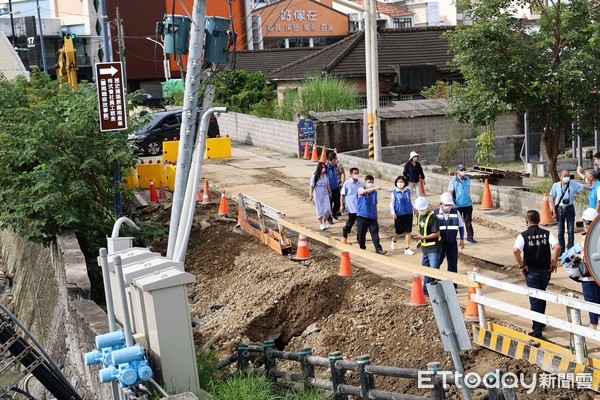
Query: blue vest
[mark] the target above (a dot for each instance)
(448, 227)
(593, 201)
(462, 192)
(402, 204)
(332, 175)
(367, 205)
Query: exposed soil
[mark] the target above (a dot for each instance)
(246, 292)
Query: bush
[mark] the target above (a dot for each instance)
(327, 93)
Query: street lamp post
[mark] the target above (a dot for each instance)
(166, 66)
(12, 20)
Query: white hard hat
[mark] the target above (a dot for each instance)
(446, 198)
(589, 214)
(421, 203)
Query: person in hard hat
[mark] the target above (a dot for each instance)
(451, 224)
(576, 268)
(428, 237)
(562, 197)
(413, 171)
(536, 252)
(348, 200)
(460, 189)
(366, 215)
(320, 193)
(402, 212)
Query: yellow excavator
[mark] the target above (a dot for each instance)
(66, 66)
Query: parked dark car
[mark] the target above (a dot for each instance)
(162, 126)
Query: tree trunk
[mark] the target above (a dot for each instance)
(551, 141)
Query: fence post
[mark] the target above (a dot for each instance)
(337, 375)
(480, 307)
(242, 205)
(270, 363)
(308, 370)
(437, 391)
(242, 357)
(261, 216)
(366, 380)
(578, 340)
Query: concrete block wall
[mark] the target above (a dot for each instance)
(505, 149)
(51, 298)
(269, 133)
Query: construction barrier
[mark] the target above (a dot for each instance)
(218, 148)
(131, 179)
(171, 171)
(170, 152)
(151, 172)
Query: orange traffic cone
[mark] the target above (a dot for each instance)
(306, 152)
(345, 265)
(486, 200)
(417, 297)
(546, 216)
(199, 195)
(315, 153)
(471, 311)
(223, 205)
(323, 155)
(162, 194)
(206, 199)
(302, 252)
(153, 194)
(422, 183)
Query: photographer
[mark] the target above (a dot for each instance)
(562, 195)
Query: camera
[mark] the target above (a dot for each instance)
(565, 201)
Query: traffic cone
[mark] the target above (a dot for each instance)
(471, 311)
(486, 200)
(546, 216)
(417, 297)
(422, 183)
(315, 153)
(306, 152)
(199, 195)
(323, 155)
(345, 265)
(223, 205)
(162, 194)
(153, 194)
(302, 252)
(206, 199)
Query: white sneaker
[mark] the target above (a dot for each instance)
(409, 252)
(327, 224)
(322, 227)
(393, 245)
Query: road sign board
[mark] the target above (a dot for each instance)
(306, 135)
(111, 96)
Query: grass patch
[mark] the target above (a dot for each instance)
(244, 386)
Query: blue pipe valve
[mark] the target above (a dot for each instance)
(132, 366)
(105, 345)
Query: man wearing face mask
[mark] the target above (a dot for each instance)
(366, 215)
(429, 238)
(348, 199)
(460, 189)
(331, 165)
(451, 223)
(562, 196)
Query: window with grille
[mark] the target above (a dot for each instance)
(402, 22)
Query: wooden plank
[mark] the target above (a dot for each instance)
(459, 279)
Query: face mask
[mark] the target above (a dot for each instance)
(566, 179)
(355, 177)
(423, 212)
(463, 173)
(400, 185)
(323, 170)
(595, 163)
(415, 158)
(370, 185)
(447, 208)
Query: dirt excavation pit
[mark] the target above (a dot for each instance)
(245, 292)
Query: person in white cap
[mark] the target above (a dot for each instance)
(429, 238)
(413, 172)
(451, 223)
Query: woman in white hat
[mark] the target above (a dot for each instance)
(413, 172)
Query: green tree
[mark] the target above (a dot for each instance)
(57, 165)
(552, 71)
(239, 90)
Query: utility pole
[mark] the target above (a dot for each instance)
(41, 37)
(369, 77)
(375, 82)
(121, 39)
(12, 23)
(188, 118)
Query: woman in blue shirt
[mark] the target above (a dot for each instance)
(402, 211)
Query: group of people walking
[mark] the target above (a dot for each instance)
(440, 233)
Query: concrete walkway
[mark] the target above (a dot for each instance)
(282, 183)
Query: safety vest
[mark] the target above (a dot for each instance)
(593, 200)
(462, 192)
(367, 205)
(424, 242)
(402, 204)
(448, 226)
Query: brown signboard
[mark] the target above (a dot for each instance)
(111, 96)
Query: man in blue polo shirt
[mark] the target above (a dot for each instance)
(366, 215)
(334, 185)
(460, 189)
(562, 195)
(348, 198)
